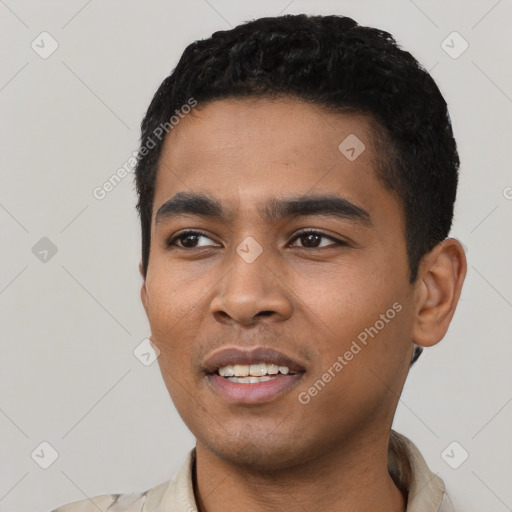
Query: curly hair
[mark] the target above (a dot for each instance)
(348, 68)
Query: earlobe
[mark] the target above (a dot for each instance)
(442, 274)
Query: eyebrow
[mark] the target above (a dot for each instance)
(186, 203)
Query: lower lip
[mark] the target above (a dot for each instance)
(253, 393)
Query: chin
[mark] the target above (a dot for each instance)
(256, 449)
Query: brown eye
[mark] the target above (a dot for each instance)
(310, 240)
(313, 240)
(189, 240)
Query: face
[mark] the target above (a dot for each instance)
(296, 259)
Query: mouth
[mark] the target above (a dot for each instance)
(254, 376)
(254, 373)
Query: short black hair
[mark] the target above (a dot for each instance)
(333, 62)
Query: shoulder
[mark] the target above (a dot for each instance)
(132, 502)
(446, 504)
(160, 498)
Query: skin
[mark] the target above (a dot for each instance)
(306, 301)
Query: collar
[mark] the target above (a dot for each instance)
(425, 490)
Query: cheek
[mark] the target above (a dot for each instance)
(366, 321)
(171, 312)
(169, 296)
(347, 300)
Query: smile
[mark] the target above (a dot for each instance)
(239, 375)
(254, 373)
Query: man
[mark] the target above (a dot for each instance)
(296, 183)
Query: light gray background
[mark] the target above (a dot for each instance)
(69, 325)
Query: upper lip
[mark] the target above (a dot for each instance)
(234, 355)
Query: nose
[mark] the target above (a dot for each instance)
(251, 291)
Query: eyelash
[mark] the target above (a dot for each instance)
(300, 234)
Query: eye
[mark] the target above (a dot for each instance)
(311, 239)
(189, 240)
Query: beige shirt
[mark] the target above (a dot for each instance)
(425, 492)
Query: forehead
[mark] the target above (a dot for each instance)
(244, 151)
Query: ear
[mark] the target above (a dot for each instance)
(439, 284)
(143, 291)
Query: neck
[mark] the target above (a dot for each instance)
(354, 479)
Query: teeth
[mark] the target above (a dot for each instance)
(250, 380)
(257, 370)
(227, 371)
(272, 369)
(241, 370)
(253, 370)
